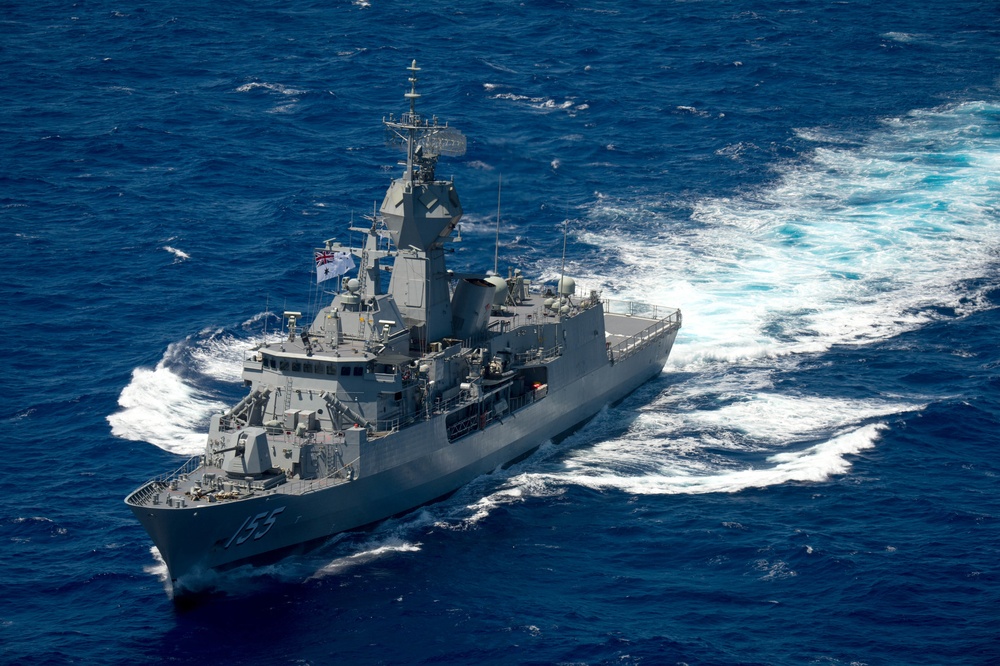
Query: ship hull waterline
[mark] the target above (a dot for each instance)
(225, 534)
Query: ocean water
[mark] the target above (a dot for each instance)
(813, 478)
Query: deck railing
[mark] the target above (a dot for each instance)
(671, 321)
(643, 310)
(335, 477)
(157, 483)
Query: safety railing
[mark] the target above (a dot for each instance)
(631, 345)
(157, 483)
(643, 310)
(537, 355)
(342, 474)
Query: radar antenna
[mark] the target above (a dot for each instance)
(422, 140)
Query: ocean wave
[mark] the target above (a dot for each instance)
(179, 255)
(380, 548)
(273, 87)
(907, 37)
(498, 67)
(855, 245)
(25, 529)
(541, 103)
(170, 404)
(592, 468)
(158, 407)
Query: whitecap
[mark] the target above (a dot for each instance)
(514, 97)
(903, 37)
(670, 475)
(539, 103)
(274, 87)
(179, 255)
(284, 108)
(369, 553)
(164, 405)
(158, 407)
(693, 111)
(221, 356)
(497, 67)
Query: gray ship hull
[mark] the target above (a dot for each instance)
(395, 397)
(212, 536)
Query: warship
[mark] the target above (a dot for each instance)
(395, 396)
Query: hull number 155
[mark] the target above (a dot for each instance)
(254, 527)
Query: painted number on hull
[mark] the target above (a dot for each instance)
(253, 527)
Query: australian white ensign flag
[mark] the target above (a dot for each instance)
(332, 264)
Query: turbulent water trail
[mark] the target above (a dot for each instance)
(853, 245)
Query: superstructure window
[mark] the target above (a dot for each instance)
(345, 371)
(359, 371)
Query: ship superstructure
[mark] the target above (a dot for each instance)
(389, 399)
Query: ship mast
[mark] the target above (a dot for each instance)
(420, 213)
(412, 120)
(423, 140)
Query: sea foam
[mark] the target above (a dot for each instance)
(169, 405)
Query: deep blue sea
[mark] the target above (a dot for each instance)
(814, 478)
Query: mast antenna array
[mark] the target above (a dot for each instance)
(422, 140)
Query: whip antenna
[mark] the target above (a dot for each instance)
(496, 246)
(562, 268)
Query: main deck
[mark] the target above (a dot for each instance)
(627, 324)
